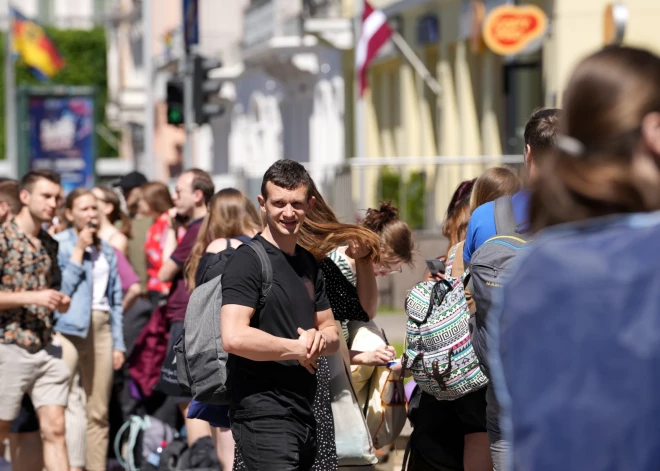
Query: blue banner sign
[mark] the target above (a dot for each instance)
(61, 137)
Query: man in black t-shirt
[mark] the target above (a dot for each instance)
(274, 350)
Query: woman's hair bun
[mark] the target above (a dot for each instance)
(378, 219)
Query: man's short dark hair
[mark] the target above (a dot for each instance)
(131, 181)
(203, 182)
(9, 194)
(287, 174)
(542, 129)
(33, 176)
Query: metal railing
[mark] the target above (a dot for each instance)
(421, 187)
(322, 8)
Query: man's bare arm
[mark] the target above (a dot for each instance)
(244, 341)
(14, 300)
(48, 298)
(325, 323)
(168, 271)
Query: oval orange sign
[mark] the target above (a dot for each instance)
(509, 29)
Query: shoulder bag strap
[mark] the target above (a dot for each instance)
(266, 270)
(450, 260)
(505, 221)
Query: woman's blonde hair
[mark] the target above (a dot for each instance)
(231, 214)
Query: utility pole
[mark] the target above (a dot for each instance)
(11, 141)
(190, 38)
(188, 111)
(147, 165)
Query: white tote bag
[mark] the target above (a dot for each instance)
(353, 440)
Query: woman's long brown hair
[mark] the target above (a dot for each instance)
(397, 244)
(110, 197)
(605, 171)
(231, 214)
(321, 232)
(157, 196)
(492, 184)
(454, 227)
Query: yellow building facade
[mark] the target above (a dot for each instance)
(486, 98)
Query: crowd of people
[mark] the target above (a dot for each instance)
(95, 287)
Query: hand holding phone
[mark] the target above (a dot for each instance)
(436, 267)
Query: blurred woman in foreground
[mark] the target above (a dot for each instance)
(576, 364)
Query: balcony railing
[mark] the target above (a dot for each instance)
(266, 19)
(322, 8)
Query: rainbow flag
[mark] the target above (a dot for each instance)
(31, 42)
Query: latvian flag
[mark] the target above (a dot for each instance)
(374, 33)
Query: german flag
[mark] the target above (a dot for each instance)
(35, 47)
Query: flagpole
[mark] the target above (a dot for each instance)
(416, 62)
(11, 141)
(359, 124)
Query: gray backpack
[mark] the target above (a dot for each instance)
(201, 362)
(490, 266)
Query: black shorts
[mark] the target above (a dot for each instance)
(275, 443)
(168, 382)
(27, 420)
(471, 411)
(439, 428)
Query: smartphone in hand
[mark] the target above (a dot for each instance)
(435, 266)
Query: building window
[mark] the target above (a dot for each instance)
(45, 13)
(428, 29)
(523, 91)
(100, 10)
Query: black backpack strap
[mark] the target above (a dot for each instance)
(266, 270)
(505, 221)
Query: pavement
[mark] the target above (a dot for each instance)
(394, 325)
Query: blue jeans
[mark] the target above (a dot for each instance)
(500, 449)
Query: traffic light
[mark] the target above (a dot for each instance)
(205, 90)
(175, 101)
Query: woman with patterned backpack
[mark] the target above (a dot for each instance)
(462, 442)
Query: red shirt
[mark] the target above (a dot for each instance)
(153, 248)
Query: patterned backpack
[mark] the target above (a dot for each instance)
(438, 346)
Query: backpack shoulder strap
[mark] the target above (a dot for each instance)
(450, 259)
(266, 269)
(505, 221)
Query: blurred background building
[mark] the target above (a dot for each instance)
(288, 89)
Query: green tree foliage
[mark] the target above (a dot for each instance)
(85, 56)
(411, 208)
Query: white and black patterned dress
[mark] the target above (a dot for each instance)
(340, 282)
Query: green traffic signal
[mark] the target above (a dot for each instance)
(175, 116)
(175, 101)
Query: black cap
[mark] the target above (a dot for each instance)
(130, 181)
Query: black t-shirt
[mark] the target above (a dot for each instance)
(274, 388)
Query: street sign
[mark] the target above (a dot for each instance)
(190, 22)
(512, 29)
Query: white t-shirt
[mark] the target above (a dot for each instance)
(100, 278)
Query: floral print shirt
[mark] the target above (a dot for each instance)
(26, 267)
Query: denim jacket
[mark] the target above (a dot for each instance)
(77, 283)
